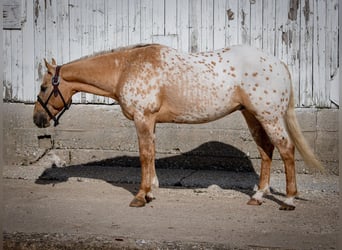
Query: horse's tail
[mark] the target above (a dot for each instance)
(297, 137)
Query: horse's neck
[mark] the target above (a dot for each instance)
(97, 75)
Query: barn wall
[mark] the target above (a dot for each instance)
(303, 33)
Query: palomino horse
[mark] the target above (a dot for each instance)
(154, 83)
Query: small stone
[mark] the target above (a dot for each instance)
(141, 242)
(214, 188)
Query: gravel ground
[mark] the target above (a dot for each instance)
(86, 207)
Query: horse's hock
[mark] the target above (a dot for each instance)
(90, 133)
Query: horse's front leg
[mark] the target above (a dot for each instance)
(145, 127)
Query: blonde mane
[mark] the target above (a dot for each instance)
(100, 53)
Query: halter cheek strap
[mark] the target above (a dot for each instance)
(55, 83)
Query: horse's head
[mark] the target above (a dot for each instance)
(54, 97)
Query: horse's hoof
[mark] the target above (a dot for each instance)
(287, 207)
(137, 202)
(254, 202)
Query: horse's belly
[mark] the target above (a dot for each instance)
(196, 106)
(192, 116)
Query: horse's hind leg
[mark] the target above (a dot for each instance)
(265, 148)
(280, 138)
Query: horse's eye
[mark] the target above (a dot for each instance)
(43, 88)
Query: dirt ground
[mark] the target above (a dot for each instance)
(58, 208)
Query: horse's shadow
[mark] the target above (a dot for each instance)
(193, 169)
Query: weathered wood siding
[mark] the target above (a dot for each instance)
(303, 33)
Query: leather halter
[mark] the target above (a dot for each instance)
(55, 83)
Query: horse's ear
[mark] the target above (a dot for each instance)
(54, 62)
(50, 68)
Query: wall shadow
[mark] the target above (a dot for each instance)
(193, 169)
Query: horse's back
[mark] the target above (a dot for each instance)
(208, 85)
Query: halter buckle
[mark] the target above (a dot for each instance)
(55, 81)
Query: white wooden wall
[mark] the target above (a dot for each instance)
(303, 33)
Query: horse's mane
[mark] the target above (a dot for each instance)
(113, 50)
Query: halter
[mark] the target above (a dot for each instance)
(55, 82)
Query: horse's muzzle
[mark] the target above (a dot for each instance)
(41, 120)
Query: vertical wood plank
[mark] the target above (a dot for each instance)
(39, 40)
(320, 81)
(170, 23)
(122, 23)
(170, 17)
(158, 28)
(30, 88)
(183, 25)
(282, 8)
(306, 50)
(17, 80)
(165, 22)
(293, 46)
(233, 23)
(332, 39)
(195, 25)
(75, 29)
(220, 18)
(63, 31)
(51, 31)
(110, 24)
(134, 21)
(207, 27)
(146, 21)
(99, 29)
(75, 35)
(7, 59)
(169, 40)
(269, 20)
(256, 23)
(87, 27)
(244, 22)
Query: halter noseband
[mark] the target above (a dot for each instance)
(55, 83)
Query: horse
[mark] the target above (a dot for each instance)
(154, 83)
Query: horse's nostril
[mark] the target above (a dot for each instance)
(40, 120)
